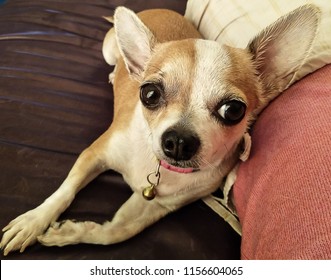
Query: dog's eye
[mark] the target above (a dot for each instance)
(231, 112)
(150, 95)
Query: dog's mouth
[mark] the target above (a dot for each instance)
(178, 169)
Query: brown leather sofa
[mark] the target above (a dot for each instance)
(54, 101)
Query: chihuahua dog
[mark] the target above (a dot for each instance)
(182, 108)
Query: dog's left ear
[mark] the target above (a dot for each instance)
(282, 48)
(134, 40)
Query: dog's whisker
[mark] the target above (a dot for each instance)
(207, 163)
(226, 148)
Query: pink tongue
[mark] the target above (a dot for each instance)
(175, 168)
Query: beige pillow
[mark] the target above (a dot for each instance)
(236, 22)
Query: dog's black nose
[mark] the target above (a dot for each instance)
(180, 145)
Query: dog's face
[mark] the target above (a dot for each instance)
(199, 97)
(197, 111)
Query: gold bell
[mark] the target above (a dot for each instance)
(149, 192)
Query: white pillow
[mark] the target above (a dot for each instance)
(236, 22)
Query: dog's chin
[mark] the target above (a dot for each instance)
(178, 167)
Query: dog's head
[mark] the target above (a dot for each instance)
(199, 97)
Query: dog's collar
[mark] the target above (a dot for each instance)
(149, 192)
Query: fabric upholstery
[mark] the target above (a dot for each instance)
(283, 192)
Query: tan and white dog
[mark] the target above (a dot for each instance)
(182, 108)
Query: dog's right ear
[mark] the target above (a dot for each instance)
(134, 40)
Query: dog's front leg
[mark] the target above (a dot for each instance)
(133, 216)
(23, 231)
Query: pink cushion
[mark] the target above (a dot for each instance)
(283, 192)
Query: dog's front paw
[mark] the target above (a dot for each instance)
(23, 231)
(63, 233)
